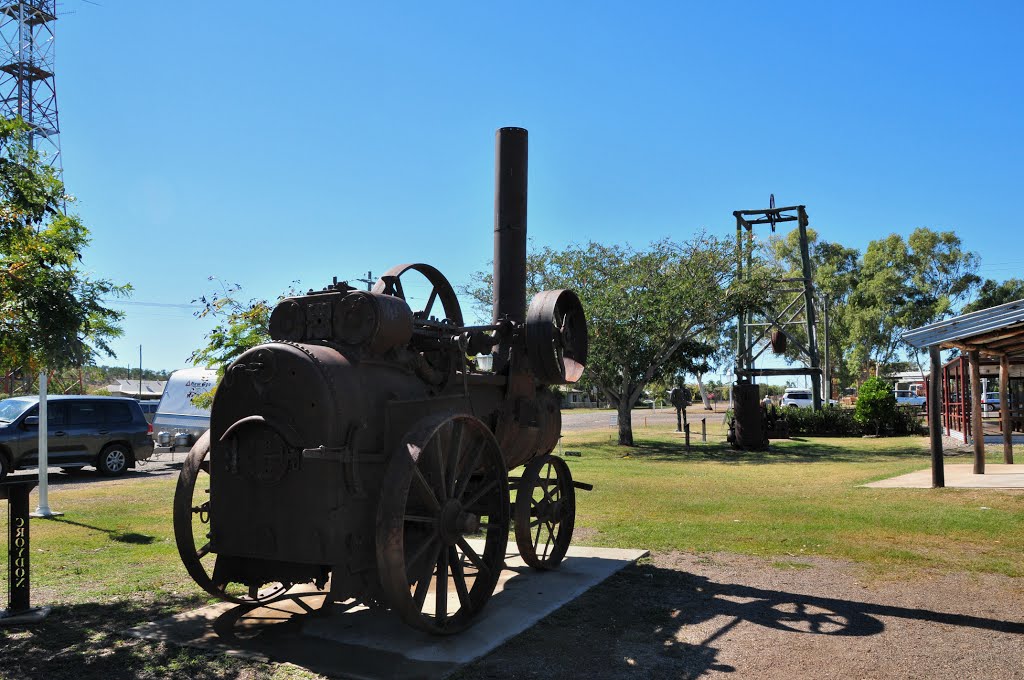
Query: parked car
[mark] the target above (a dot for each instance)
(109, 433)
(909, 398)
(990, 401)
(801, 398)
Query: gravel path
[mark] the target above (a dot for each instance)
(151, 469)
(684, 616)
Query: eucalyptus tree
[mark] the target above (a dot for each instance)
(903, 284)
(993, 293)
(897, 284)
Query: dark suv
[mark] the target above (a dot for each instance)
(109, 433)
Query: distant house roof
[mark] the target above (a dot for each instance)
(151, 389)
(995, 331)
(907, 375)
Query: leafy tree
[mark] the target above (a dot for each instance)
(876, 404)
(904, 284)
(645, 308)
(994, 293)
(242, 325)
(52, 312)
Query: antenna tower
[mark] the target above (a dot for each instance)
(27, 86)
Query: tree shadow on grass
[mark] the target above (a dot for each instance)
(795, 450)
(650, 622)
(87, 641)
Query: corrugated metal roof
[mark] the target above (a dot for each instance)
(959, 330)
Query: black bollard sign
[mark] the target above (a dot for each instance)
(18, 554)
(19, 608)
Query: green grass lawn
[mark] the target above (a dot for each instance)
(803, 497)
(110, 561)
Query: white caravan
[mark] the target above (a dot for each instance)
(178, 422)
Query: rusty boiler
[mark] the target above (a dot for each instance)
(366, 451)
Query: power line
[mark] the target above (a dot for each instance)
(153, 304)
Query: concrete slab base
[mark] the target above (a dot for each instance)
(959, 476)
(351, 641)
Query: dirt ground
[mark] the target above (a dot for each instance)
(675, 615)
(686, 616)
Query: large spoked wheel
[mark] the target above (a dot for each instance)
(545, 512)
(390, 283)
(441, 358)
(446, 484)
(192, 531)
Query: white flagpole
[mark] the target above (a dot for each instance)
(44, 501)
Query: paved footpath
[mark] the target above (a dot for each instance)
(595, 420)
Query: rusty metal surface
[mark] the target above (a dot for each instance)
(446, 482)
(545, 512)
(364, 431)
(749, 432)
(556, 336)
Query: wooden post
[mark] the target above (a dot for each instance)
(965, 375)
(935, 417)
(704, 430)
(977, 427)
(945, 398)
(1004, 408)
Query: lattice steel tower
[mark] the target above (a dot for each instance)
(27, 86)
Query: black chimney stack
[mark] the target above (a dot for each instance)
(510, 171)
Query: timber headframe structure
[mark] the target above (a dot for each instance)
(771, 327)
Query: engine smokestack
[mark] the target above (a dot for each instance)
(510, 170)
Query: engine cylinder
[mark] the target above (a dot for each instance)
(374, 321)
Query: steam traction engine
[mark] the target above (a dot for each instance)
(365, 446)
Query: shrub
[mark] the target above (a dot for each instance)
(841, 422)
(829, 420)
(876, 405)
(909, 420)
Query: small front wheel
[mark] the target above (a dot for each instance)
(545, 512)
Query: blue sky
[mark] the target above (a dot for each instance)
(263, 143)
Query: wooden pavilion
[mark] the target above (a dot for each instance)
(983, 338)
